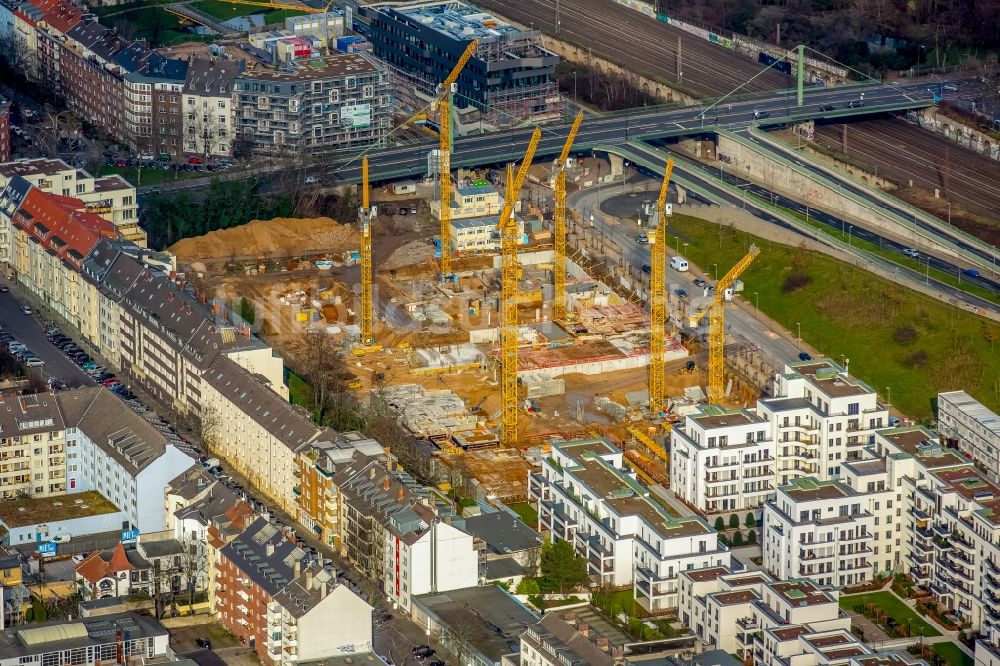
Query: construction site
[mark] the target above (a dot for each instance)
(495, 336)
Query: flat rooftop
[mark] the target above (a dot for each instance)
(807, 489)
(35, 639)
(714, 417)
(801, 593)
(341, 64)
(969, 483)
(752, 579)
(830, 377)
(789, 633)
(22, 512)
(702, 575)
(973, 409)
(866, 467)
(735, 598)
(36, 167)
(666, 526)
(458, 20)
(923, 445)
(577, 447)
(491, 619)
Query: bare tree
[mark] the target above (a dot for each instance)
(201, 130)
(18, 59)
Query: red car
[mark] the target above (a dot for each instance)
(195, 160)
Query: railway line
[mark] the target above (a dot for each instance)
(614, 32)
(904, 152)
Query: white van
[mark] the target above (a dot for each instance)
(679, 263)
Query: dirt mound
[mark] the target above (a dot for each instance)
(278, 237)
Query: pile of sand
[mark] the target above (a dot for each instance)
(278, 237)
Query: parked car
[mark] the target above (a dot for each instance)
(855, 104)
(911, 252)
(681, 293)
(311, 180)
(4, 289)
(25, 310)
(61, 538)
(203, 643)
(803, 356)
(971, 272)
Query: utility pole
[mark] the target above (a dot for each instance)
(557, 17)
(680, 72)
(801, 72)
(777, 34)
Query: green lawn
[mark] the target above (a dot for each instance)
(895, 337)
(892, 606)
(919, 265)
(527, 513)
(299, 392)
(622, 601)
(223, 10)
(154, 24)
(953, 655)
(149, 176)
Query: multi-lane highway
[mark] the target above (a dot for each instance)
(612, 31)
(611, 129)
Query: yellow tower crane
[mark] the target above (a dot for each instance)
(717, 328)
(559, 225)
(508, 296)
(445, 91)
(657, 235)
(365, 216)
(282, 5)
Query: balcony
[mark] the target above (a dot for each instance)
(919, 575)
(716, 464)
(711, 479)
(855, 536)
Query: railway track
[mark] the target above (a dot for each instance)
(904, 152)
(642, 44)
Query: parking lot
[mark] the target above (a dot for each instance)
(28, 330)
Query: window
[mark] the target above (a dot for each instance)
(853, 408)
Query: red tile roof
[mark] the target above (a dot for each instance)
(94, 568)
(62, 226)
(59, 14)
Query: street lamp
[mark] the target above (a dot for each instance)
(756, 306)
(716, 272)
(798, 335)
(850, 230)
(949, 213)
(888, 395)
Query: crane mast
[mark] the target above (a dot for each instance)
(717, 328)
(508, 297)
(365, 215)
(559, 225)
(657, 235)
(445, 91)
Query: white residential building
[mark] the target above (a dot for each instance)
(820, 417)
(966, 423)
(111, 197)
(395, 532)
(111, 449)
(722, 460)
(208, 108)
(820, 530)
(586, 496)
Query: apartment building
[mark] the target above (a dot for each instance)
(510, 80)
(319, 500)
(395, 532)
(111, 197)
(285, 608)
(17, 24)
(122, 638)
(561, 638)
(207, 106)
(819, 418)
(16, 597)
(722, 460)
(255, 429)
(153, 106)
(586, 496)
(48, 236)
(336, 102)
(115, 451)
(32, 445)
(967, 424)
(821, 530)
(4, 129)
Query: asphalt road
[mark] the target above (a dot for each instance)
(27, 330)
(610, 29)
(497, 148)
(707, 178)
(738, 322)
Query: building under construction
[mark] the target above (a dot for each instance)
(510, 79)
